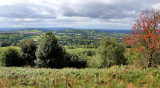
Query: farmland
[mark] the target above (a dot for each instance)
(113, 77)
(70, 38)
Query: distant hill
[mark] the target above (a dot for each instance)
(62, 28)
(9, 29)
(120, 31)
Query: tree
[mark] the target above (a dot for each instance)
(12, 57)
(28, 49)
(109, 53)
(49, 52)
(145, 37)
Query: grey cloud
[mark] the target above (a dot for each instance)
(92, 12)
(26, 11)
(116, 10)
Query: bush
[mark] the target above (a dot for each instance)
(87, 53)
(135, 58)
(109, 53)
(12, 57)
(94, 62)
(73, 60)
(1, 59)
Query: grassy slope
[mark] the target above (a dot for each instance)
(77, 50)
(4, 48)
(114, 77)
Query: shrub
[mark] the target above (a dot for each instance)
(73, 60)
(87, 53)
(12, 57)
(94, 62)
(109, 53)
(134, 58)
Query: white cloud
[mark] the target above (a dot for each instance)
(156, 6)
(8, 2)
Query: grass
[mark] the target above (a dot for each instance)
(33, 30)
(114, 77)
(36, 38)
(4, 48)
(11, 36)
(77, 50)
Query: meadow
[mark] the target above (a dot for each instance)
(113, 77)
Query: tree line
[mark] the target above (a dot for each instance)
(49, 54)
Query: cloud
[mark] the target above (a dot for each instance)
(156, 6)
(114, 9)
(73, 13)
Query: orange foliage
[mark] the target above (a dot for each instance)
(145, 36)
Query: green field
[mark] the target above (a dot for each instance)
(4, 48)
(78, 50)
(114, 77)
(74, 38)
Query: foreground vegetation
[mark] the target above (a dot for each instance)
(113, 77)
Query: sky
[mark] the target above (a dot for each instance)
(89, 14)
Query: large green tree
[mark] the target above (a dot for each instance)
(50, 53)
(109, 53)
(28, 49)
